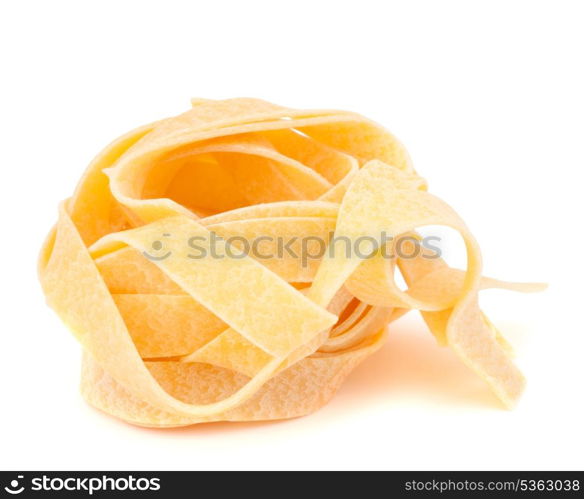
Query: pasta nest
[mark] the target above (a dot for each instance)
(150, 265)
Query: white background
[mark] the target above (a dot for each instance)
(488, 98)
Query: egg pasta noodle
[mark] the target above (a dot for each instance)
(169, 340)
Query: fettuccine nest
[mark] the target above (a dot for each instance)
(180, 324)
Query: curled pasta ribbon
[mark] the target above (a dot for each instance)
(170, 339)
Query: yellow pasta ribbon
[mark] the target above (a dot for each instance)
(149, 265)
